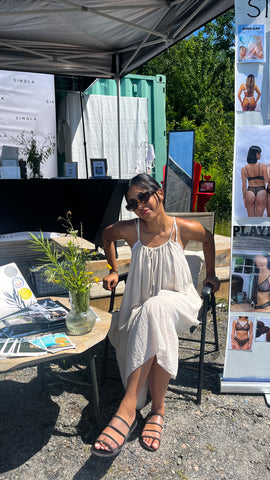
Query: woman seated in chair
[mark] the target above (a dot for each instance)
(159, 303)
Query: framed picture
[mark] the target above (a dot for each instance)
(206, 186)
(98, 167)
(71, 169)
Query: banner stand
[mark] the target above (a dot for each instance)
(246, 387)
(247, 355)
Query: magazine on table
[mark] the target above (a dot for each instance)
(20, 312)
(54, 342)
(19, 347)
(29, 347)
(44, 315)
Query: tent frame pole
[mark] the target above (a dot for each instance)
(118, 88)
(84, 137)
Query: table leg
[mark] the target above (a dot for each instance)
(94, 382)
(41, 374)
(93, 376)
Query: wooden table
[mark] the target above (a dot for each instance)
(84, 343)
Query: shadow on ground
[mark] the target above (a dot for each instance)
(30, 414)
(28, 421)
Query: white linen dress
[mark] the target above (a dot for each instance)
(159, 303)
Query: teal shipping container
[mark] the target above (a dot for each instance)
(154, 89)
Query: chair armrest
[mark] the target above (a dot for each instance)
(206, 290)
(122, 276)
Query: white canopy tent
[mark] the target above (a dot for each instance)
(96, 38)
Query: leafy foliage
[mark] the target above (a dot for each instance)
(200, 95)
(67, 267)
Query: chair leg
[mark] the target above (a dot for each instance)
(201, 361)
(104, 360)
(214, 316)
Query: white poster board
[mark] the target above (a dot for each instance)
(247, 360)
(27, 103)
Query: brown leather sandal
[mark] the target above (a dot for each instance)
(158, 433)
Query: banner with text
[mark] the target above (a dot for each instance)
(247, 358)
(27, 102)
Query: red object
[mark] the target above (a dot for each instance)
(164, 176)
(202, 199)
(196, 178)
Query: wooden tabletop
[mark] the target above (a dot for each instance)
(82, 342)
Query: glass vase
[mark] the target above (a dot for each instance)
(80, 319)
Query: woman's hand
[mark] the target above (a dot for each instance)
(110, 281)
(214, 281)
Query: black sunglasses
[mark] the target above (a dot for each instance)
(143, 197)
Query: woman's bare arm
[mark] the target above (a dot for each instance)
(118, 231)
(244, 183)
(241, 88)
(257, 90)
(250, 334)
(233, 335)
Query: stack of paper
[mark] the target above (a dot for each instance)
(42, 316)
(28, 347)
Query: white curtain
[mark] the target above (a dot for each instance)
(101, 132)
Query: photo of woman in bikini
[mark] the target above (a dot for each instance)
(241, 333)
(252, 171)
(249, 90)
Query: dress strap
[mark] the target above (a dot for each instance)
(137, 223)
(174, 227)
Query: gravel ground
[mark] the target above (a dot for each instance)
(47, 434)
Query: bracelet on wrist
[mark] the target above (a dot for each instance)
(114, 271)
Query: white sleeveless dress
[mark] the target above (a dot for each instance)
(159, 303)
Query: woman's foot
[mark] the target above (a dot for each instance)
(151, 434)
(111, 441)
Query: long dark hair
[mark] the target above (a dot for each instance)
(250, 84)
(252, 154)
(145, 181)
